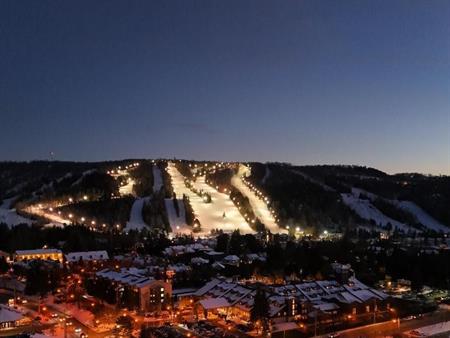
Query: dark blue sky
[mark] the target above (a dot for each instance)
(354, 82)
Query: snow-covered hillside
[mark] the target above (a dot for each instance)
(366, 210)
(422, 216)
(9, 216)
(258, 205)
(365, 207)
(210, 215)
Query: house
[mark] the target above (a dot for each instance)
(86, 256)
(42, 254)
(231, 260)
(9, 317)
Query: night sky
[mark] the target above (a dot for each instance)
(306, 82)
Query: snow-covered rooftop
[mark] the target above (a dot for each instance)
(87, 256)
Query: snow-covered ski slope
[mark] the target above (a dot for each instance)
(136, 222)
(177, 222)
(210, 215)
(365, 209)
(422, 216)
(258, 205)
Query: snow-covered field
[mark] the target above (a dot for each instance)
(10, 216)
(258, 205)
(136, 222)
(157, 179)
(210, 215)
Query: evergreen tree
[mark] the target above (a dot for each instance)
(260, 309)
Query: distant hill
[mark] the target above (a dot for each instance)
(314, 198)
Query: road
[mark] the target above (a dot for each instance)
(390, 328)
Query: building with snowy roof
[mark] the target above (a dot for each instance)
(131, 289)
(87, 256)
(41, 254)
(301, 301)
(9, 317)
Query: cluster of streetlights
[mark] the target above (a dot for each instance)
(84, 220)
(119, 168)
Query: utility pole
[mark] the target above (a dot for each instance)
(374, 310)
(315, 324)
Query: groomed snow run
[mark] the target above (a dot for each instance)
(258, 205)
(210, 215)
(136, 221)
(157, 179)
